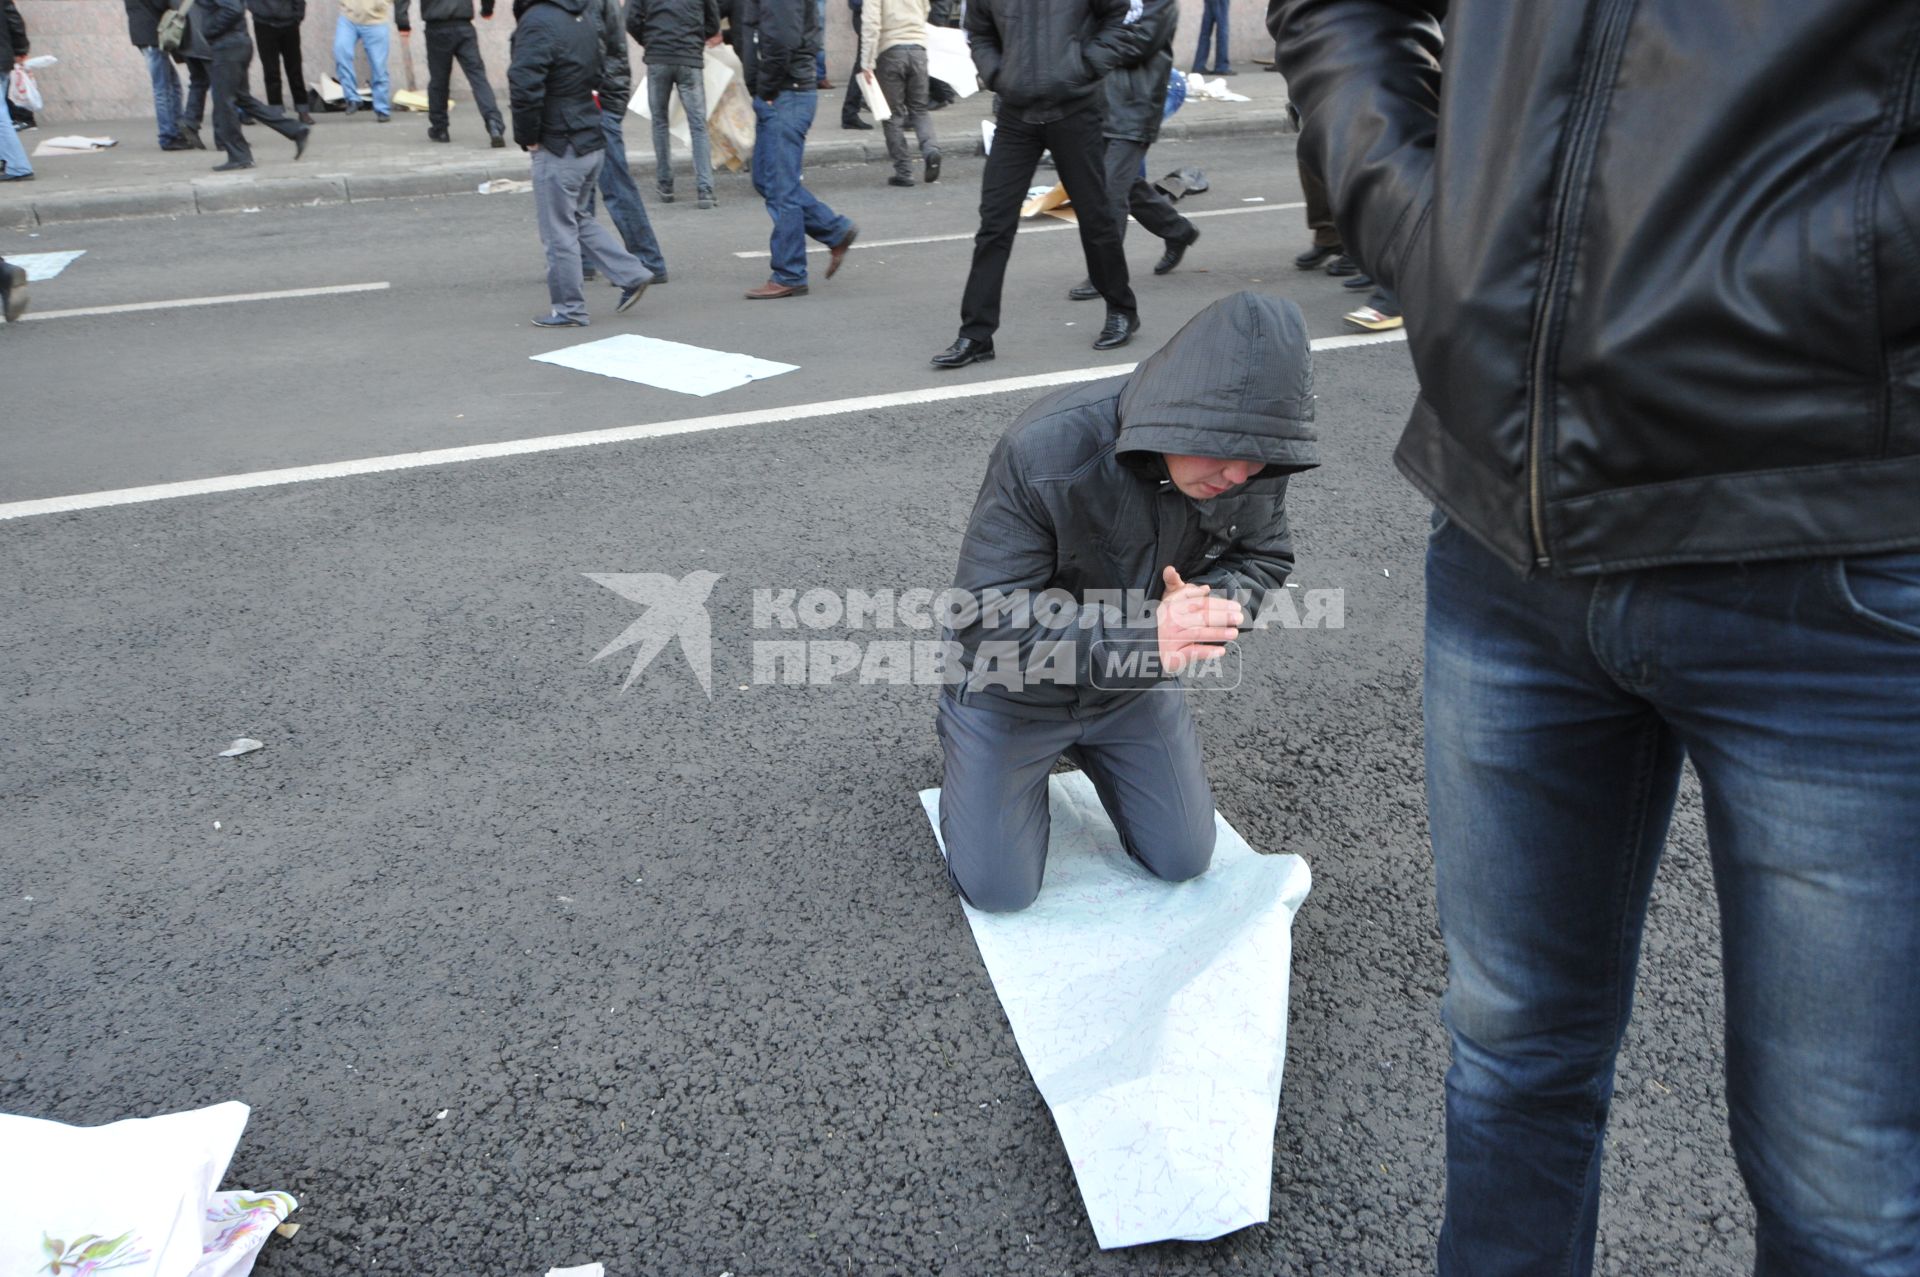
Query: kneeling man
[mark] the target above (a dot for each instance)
(1126, 529)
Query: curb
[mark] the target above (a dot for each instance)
(236, 195)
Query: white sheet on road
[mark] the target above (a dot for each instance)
(41, 266)
(136, 1198)
(1153, 1017)
(670, 365)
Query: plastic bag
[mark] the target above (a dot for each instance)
(22, 91)
(1176, 93)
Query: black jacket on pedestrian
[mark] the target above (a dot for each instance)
(1077, 499)
(1045, 58)
(616, 65)
(673, 32)
(281, 13)
(432, 11)
(223, 23)
(1659, 263)
(557, 64)
(1136, 89)
(13, 37)
(143, 22)
(777, 41)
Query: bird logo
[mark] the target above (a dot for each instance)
(676, 609)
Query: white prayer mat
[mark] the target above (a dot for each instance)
(1153, 1017)
(136, 1198)
(41, 266)
(670, 365)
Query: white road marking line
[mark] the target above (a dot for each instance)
(1051, 224)
(228, 300)
(594, 438)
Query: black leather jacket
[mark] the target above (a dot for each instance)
(777, 40)
(673, 32)
(1137, 88)
(1045, 58)
(1077, 499)
(1659, 263)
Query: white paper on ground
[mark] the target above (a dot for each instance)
(949, 59)
(73, 144)
(670, 365)
(136, 1197)
(582, 1270)
(41, 266)
(1153, 1017)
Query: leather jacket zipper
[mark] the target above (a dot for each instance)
(1575, 156)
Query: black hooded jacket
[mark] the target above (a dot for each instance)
(1660, 263)
(143, 22)
(673, 32)
(558, 61)
(1077, 499)
(435, 11)
(1045, 58)
(777, 40)
(1137, 88)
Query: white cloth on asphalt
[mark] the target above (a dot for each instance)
(41, 266)
(670, 365)
(73, 144)
(138, 1198)
(1153, 1017)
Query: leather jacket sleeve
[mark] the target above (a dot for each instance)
(1112, 40)
(983, 41)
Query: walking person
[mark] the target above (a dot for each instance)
(1136, 92)
(362, 24)
(1045, 60)
(276, 29)
(615, 179)
(893, 41)
(451, 38)
(673, 36)
(225, 27)
(14, 47)
(778, 41)
(557, 63)
(1213, 28)
(143, 28)
(852, 102)
(1667, 320)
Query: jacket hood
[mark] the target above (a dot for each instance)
(1235, 383)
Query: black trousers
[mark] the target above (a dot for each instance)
(448, 42)
(232, 96)
(1132, 193)
(1319, 208)
(1079, 152)
(280, 46)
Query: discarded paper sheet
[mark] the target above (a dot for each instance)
(670, 365)
(41, 266)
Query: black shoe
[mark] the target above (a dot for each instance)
(176, 144)
(438, 135)
(1084, 291)
(1176, 249)
(1118, 332)
(964, 351)
(380, 117)
(1225, 71)
(657, 280)
(496, 140)
(559, 321)
(666, 197)
(17, 177)
(353, 105)
(13, 292)
(628, 296)
(232, 166)
(1357, 282)
(191, 136)
(1316, 257)
(854, 122)
(300, 141)
(1343, 265)
(588, 274)
(707, 201)
(933, 167)
(899, 179)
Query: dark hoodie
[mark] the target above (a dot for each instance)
(1077, 498)
(558, 62)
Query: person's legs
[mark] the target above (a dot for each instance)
(1319, 208)
(1796, 690)
(1003, 188)
(994, 820)
(267, 39)
(1144, 761)
(13, 156)
(890, 70)
(1206, 35)
(558, 186)
(346, 38)
(279, 121)
(820, 55)
(442, 39)
(377, 38)
(1218, 10)
(778, 149)
(467, 49)
(296, 70)
(166, 94)
(1148, 203)
(624, 206)
(660, 82)
(229, 72)
(1079, 151)
(620, 266)
(919, 109)
(693, 101)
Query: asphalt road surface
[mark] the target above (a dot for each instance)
(682, 973)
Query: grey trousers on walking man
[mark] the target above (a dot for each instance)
(563, 188)
(901, 72)
(661, 83)
(1142, 757)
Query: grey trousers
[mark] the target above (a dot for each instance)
(1132, 193)
(563, 197)
(1143, 759)
(901, 72)
(662, 81)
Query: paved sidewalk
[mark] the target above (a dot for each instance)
(351, 159)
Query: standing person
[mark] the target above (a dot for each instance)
(778, 40)
(276, 28)
(853, 101)
(14, 47)
(363, 24)
(557, 64)
(1045, 60)
(451, 38)
(143, 28)
(232, 49)
(893, 41)
(673, 36)
(1213, 27)
(195, 52)
(1672, 460)
(1136, 103)
(615, 179)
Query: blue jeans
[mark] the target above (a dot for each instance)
(166, 93)
(820, 54)
(779, 147)
(1558, 713)
(628, 214)
(374, 37)
(1213, 28)
(13, 156)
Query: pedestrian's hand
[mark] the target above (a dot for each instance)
(531, 149)
(1192, 624)
(713, 42)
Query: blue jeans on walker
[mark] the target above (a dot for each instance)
(13, 156)
(624, 209)
(374, 37)
(166, 93)
(779, 148)
(1558, 713)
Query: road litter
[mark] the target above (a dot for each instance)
(415, 100)
(1253, 199)
(245, 745)
(1053, 201)
(1185, 181)
(1153, 1017)
(73, 144)
(505, 186)
(669, 365)
(137, 1198)
(581, 1270)
(1198, 86)
(950, 60)
(44, 266)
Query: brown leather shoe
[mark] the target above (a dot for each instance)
(837, 253)
(774, 289)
